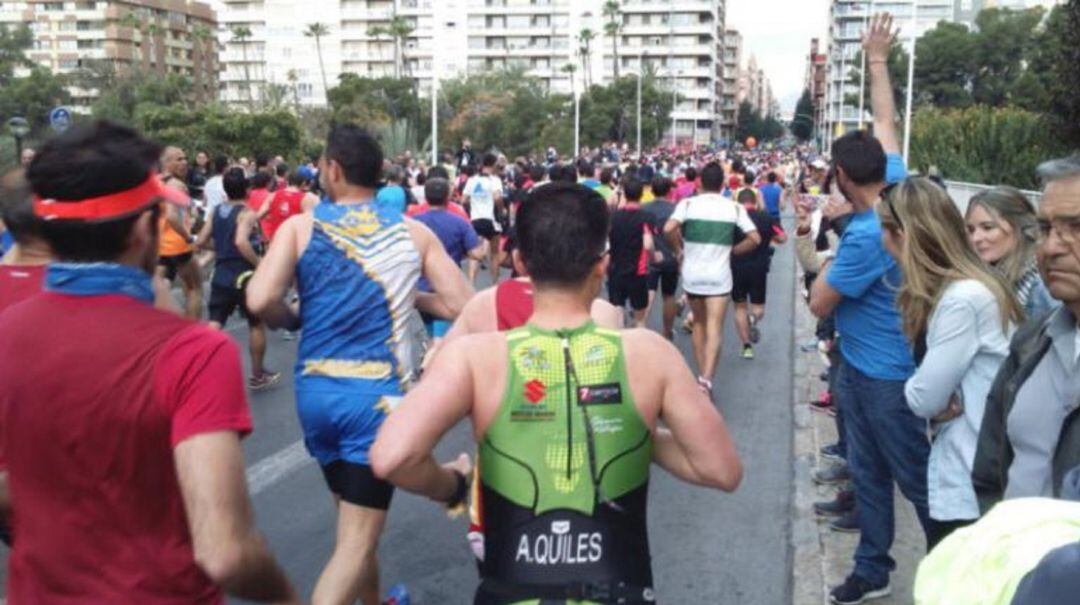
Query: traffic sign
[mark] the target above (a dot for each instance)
(60, 119)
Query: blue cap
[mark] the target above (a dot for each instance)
(306, 173)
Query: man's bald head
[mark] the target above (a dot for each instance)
(174, 162)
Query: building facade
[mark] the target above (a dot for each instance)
(155, 36)
(815, 81)
(681, 42)
(729, 105)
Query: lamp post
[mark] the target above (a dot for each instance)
(910, 78)
(19, 128)
(640, 74)
(434, 120)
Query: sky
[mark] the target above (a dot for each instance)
(778, 33)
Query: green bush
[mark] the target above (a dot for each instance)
(986, 145)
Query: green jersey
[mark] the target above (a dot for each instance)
(564, 471)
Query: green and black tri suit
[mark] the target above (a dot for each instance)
(564, 473)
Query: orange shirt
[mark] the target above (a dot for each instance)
(169, 241)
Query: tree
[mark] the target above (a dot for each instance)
(400, 30)
(241, 35)
(294, 83)
(33, 97)
(984, 145)
(317, 31)
(898, 69)
(604, 115)
(946, 64)
(613, 28)
(1053, 74)
(750, 123)
(802, 126)
(1003, 40)
(13, 44)
(202, 38)
(586, 38)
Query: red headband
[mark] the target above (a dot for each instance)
(113, 205)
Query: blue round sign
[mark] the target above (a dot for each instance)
(60, 119)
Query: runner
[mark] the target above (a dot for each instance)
(563, 487)
(22, 269)
(705, 225)
(233, 233)
(772, 194)
(483, 196)
(457, 237)
(174, 242)
(153, 507)
(750, 273)
(294, 198)
(631, 251)
(664, 269)
(356, 264)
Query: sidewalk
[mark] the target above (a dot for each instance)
(822, 558)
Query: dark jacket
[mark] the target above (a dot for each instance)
(994, 453)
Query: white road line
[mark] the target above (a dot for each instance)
(276, 467)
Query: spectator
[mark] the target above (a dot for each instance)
(959, 313)
(886, 441)
(1002, 227)
(1030, 437)
(392, 194)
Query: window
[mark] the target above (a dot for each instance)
(305, 90)
(52, 6)
(68, 64)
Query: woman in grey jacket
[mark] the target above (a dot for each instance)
(959, 315)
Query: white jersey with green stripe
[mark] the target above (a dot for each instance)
(708, 224)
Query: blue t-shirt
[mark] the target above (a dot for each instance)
(455, 233)
(391, 197)
(871, 334)
(771, 192)
(591, 183)
(6, 242)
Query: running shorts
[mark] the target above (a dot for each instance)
(632, 288)
(667, 280)
(750, 284)
(226, 300)
(172, 264)
(485, 228)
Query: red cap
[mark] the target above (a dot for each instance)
(112, 205)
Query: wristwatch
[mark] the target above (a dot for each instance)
(460, 492)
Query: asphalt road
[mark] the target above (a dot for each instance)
(707, 546)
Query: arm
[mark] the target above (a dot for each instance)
(674, 235)
(227, 547)
(309, 202)
(700, 449)
(174, 216)
(952, 343)
(244, 227)
(823, 297)
(402, 451)
(452, 291)
(877, 44)
(267, 288)
(204, 240)
(266, 205)
(606, 315)
(479, 252)
(752, 240)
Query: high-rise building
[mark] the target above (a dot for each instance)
(729, 105)
(155, 36)
(847, 20)
(680, 41)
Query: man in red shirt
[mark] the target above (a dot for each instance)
(22, 269)
(287, 201)
(123, 445)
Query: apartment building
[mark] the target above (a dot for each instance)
(815, 81)
(682, 42)
(155, 36)
(729, 105)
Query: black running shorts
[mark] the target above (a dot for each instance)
(357, 484)
(632, 288)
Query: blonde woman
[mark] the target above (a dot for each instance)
(959, 315)
(1002, 229)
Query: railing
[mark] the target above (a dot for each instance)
(962, 193)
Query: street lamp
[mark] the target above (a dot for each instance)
(19, 128)
(862, 70)
(910, 78)
(640, 74)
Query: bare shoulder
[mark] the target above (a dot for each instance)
(645, 347)
(606, 315)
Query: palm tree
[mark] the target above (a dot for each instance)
(586, 37)
(201, 34)
(569, 69)
(154, 32)
(294, 80)
(241, 36)
(400, 30)
(613, 28)
(317, 31)
(377, 32)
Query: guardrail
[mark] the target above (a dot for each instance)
(962, 193)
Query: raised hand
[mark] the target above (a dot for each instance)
(877, 41)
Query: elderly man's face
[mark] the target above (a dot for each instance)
(1059, 239)
(26, 157)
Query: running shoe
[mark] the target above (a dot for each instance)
(843, 503)
(824, 404)
(856, 590)
(847, 523)
(289, 335)
(831, 475)
(398, 595)
(688, 325)
(705, 385)
(263, 381)
(831, 452)
(747, 352)
(755, 333)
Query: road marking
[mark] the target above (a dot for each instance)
(276, 467)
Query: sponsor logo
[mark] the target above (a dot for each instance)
(606, 426)
(600, 394)
(560, 547)
(535, 391)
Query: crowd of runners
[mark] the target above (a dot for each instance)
(951, 337)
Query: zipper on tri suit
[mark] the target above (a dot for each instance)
(569, 406)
